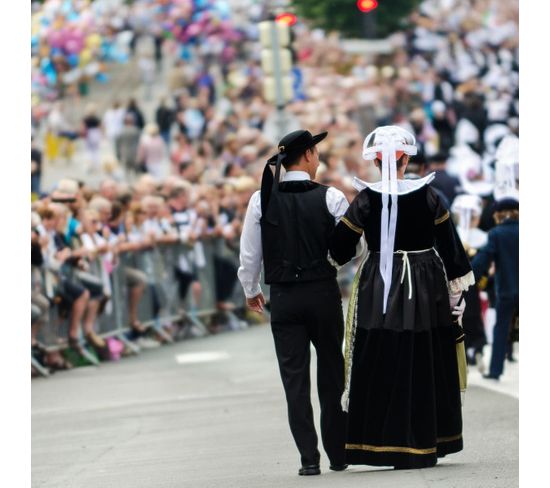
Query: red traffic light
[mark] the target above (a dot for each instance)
(367, 5)
(286, 18)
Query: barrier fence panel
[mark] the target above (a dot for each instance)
(207, 275)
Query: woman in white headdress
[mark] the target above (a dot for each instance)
(466, 210)
(402, 375)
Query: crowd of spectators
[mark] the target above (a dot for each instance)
(451, 78)
(80, 235)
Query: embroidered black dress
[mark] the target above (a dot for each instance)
(404, 405)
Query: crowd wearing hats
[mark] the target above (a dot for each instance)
(451, 80)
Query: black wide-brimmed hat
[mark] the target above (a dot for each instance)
(295, 143)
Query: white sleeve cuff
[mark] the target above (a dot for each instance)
(458, 285)
(251, 290)
(333, 262)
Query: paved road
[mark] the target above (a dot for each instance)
(210, 412)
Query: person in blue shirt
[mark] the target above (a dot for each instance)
(502, 249)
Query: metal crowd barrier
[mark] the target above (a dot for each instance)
(160, 304)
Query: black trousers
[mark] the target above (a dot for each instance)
(506, 308)
(304, 313)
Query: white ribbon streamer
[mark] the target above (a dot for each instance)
(388, 140)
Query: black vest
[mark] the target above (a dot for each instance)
(295, 242)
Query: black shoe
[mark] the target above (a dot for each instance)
(309, 470)
(511, 358)
(338, 467)
(491, 377)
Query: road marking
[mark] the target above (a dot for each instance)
(201, 357)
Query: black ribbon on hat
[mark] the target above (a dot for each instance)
(270, 188)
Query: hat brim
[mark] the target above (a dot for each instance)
(314, 141)
(319, 137)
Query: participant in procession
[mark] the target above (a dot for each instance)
(403, 394)
(466, 210)
(502, 249)
(287, 225)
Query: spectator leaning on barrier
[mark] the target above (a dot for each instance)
(183, 218)
(69, 194)
(73, 296)
(40, 303)
(135, 279)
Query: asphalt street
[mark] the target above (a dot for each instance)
(210, 412)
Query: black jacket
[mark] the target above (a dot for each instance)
(502, 248)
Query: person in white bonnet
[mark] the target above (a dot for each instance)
(403, 383)
(466, 210)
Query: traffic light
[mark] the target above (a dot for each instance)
(276, 62)
(367, 6)
(287, 18)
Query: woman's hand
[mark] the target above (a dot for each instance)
(458, 311)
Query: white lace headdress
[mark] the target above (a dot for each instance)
(387, 140)
(507, 168)
(466, 206)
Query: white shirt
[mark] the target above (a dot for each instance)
(251, 237)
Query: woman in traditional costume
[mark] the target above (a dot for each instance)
(466, 210)
(403, 393)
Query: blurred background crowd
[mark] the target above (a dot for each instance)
(151, 131)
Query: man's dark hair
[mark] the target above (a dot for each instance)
(289, 162)
(438, 158)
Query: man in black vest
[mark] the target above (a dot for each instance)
(288, 225)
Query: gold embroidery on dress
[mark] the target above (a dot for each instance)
(352, 226)
(449, 439)
(410, 450)
(442, 219)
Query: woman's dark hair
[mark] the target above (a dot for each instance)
(398, 162)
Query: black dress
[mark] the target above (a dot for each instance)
(402, 376)
(472, 321)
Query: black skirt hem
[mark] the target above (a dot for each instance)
(403, 460)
